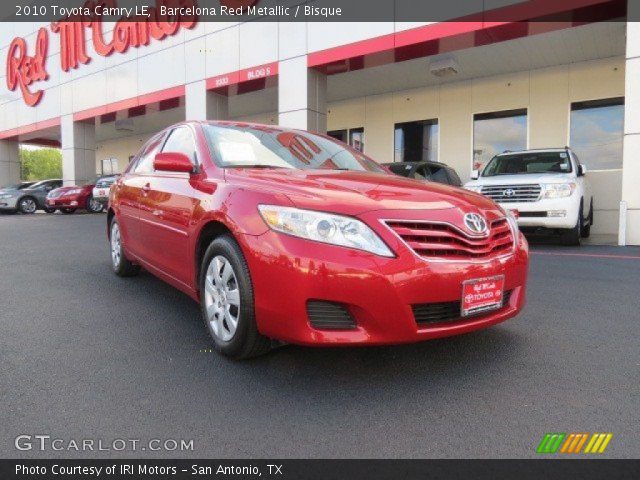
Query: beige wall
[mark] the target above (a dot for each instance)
(546, 93)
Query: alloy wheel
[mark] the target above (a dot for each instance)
(222, 298)
(95, 206)
(28, 205)
(116, 245)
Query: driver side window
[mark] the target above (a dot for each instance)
(181, 140)
(145, 164)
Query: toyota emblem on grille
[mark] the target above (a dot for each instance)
(509, 192)
(475, 223)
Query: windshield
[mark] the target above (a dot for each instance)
(532, 162)
(242, 146)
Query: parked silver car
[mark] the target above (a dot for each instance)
(29, 199)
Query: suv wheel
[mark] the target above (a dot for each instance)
(27, 205)
(93, 206)
(573, 236)
(226, 301)
(586, 229)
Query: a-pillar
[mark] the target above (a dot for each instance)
(201, 104)
(9, 163)
(302, 96)
(631, 164)
(78, 151)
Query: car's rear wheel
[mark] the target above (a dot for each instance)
(227, 301)
(119, 261)
(27, 205)
(67, 211)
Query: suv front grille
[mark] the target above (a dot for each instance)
(512, 193)
(445, 242)
(428, 313)
(104, 183)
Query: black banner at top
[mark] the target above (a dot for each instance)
(573, 11)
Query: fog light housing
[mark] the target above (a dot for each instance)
(557, 213)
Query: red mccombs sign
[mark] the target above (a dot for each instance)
(24, 69)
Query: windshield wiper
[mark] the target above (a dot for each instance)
(255, 166)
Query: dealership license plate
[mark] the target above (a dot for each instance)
(482, 295)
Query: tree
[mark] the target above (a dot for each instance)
(40, 164)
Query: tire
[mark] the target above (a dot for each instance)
(573, 236)
(27, 205)
(119, 261)
(93, 206)
(586, 229)
(67, 211)
(220, 308)
(49, 210)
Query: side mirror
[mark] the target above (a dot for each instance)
(475, 174)
(582, 171)
(172, 162)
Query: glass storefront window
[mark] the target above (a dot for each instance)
(498, 132)
(416, 141)
(597, 132)
(354, 137)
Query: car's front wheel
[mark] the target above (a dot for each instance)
(226, 299)
(93, 206)
(119, 261)
(27, 205)
(573, 236)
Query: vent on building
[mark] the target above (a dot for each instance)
(124, 125)
(444, 66)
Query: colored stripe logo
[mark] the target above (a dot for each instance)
(574, 443)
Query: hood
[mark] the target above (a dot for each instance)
(523, 179)
(64, 190)
(356, 192)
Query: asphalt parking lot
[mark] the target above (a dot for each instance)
(85, 354)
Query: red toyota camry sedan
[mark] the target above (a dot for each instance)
(287, 236)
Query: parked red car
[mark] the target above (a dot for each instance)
(284, 235)
(69, 199)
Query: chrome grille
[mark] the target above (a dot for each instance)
(445, 242)
(512, 193)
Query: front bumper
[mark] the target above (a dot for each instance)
(379, 292)
(71, 201)
(549, 213)
(8, 203)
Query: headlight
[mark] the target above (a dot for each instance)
(474, 188)
(75, 191)
(513, 223)
(5, 195)
(557, 190)
(324, 227)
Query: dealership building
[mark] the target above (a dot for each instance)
(457, 92)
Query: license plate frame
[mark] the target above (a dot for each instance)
(491, 289)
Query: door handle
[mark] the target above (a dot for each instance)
(146, 188)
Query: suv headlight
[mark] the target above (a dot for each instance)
(324, 227)
(557, 190)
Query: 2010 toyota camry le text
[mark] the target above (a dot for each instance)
(285, 236)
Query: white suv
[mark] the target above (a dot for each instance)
(546, 189)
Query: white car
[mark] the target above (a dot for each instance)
(545, 189)
(102, 188)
